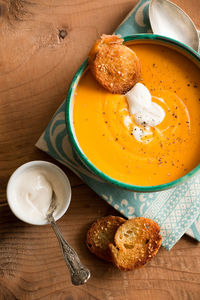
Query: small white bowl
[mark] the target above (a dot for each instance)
(43, 165)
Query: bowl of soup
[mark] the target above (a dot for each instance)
(101, 129)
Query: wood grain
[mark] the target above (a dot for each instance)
(42, 44)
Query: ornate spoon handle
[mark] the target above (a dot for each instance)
(79, 273)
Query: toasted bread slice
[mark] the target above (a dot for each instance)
(115, 66)
(135, 243)
(101, 233)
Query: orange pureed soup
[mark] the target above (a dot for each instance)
(172, 149)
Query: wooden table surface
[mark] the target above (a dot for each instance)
(42, 44)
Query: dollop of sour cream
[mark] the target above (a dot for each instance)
(32, 191)
(36, 193)
(141, 106)
(146, 113)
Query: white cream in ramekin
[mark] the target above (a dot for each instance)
(30, 189)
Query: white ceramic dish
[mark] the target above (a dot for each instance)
(63, 179)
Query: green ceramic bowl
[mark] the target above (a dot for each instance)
(70, 129)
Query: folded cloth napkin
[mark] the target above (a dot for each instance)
(175, 210)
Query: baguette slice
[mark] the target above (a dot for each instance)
(135, 243)
(100, 234)
(115, 66)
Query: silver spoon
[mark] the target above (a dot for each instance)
(79, 273)
(169, 20)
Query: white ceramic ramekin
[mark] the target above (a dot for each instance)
(46, 166)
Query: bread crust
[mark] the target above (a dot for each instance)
(101, 233)
(136, 242)
(115, 66)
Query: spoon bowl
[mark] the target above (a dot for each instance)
(169, 20)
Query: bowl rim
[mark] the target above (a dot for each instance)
(74, 141)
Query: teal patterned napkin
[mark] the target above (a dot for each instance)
(175, 210)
